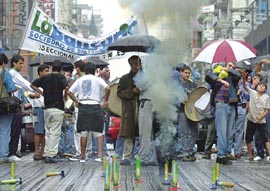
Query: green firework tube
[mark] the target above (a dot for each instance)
(175, 175)
(116, 173)
(214, 185)
(172, 172)
(113, 163)
(12, 170)
(138, 169)
(12, 181)
(107, 178)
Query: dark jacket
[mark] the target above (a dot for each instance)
(233, 79)
(129, 121)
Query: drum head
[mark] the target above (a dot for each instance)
(115, 103)
(190, 110)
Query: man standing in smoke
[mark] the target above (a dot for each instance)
(145, 120)
(129, 94)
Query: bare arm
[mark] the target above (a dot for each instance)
(258, 67)
(244, 76)
(36, 89)
(106, 97)
(73, 97)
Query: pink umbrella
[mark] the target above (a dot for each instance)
(225, 51)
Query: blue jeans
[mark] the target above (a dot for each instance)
(189, 134)
(119, 146)
(239, 129)
(225, 125)
(179, 143)
(5, 129)
(66, 139)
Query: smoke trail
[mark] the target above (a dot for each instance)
(172, 20)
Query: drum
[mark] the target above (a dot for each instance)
(115, 103)
(198, 105)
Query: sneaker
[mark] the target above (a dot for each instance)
(223, 161)
(230, 157)
(82, 160)
(125, 162)
(268, 158)
(257, 158)
(52, 159)
(75, 158)
(19, 154)
(189, 159)
(37, 157)
(14, 158)
(68, 155)
(98, 159)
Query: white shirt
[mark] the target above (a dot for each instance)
(89, 87)
(20, 82)
(257, 105)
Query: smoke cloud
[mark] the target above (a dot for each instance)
(173, 22)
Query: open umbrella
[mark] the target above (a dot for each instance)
(96, 61)
(225, 51)
(135, 43)
(48, 59)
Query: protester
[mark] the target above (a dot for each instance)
(16, 63)
(38, 105)
(258, 108)
(240, 119)
(53, 86)
(90, 115)
(187, 130)
(224, 96)
(129, 94)
(6, 119)
(147, 153)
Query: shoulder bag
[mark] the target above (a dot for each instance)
(8, 102)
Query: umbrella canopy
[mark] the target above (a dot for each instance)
(135, 43)
(48, 59)
(226, 51)
(96, 61)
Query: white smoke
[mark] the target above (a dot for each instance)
(173, 22)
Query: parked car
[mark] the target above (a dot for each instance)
(113, 130)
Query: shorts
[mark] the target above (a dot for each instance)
(88, 133)
(40, 125)
(251, 129)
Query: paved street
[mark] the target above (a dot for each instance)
(193, 176)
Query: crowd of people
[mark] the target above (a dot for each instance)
(240, 102)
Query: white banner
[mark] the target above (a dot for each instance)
(43, 35)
